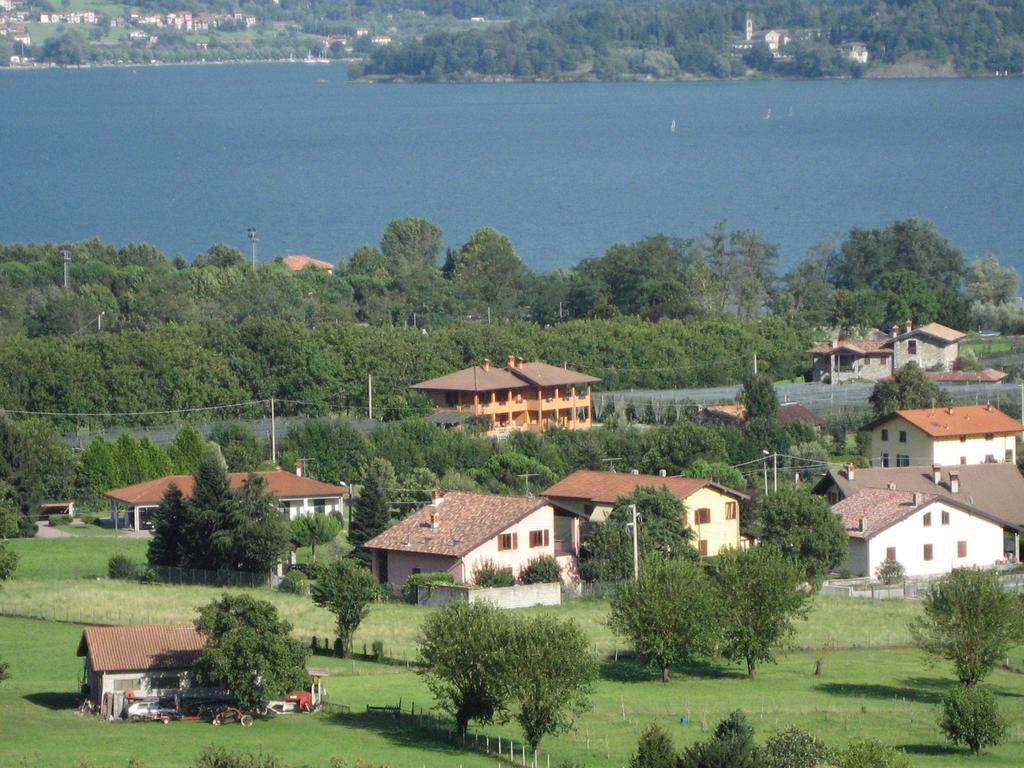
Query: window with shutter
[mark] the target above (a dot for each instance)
(703, 516)
(927, 551)
(961, 549)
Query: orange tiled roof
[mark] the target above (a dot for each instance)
(279, 483)
(860, 346)
(479, 379)
(147, 646)
(465, 521)
(961, 420)
(987, 376)
(298, 262)
(939, 331)
(607, 487)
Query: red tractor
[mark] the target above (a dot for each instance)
(303, 698)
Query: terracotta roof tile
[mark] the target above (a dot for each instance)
(960, 420)
(880, 508)
(996, 489)
(860, 346)
(987, 376)
(298, 262)
(465, 521)
(607, 487)
(480, 379)
(939, 331)
(147, 646)
(279, 483)
(796, 412)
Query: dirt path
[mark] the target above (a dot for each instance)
(46, 531)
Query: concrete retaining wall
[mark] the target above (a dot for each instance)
(519, 596)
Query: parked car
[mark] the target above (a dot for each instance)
(151, 709)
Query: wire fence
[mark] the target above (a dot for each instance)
(169, 574)
(823, 399)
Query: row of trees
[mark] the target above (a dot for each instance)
(873, 277)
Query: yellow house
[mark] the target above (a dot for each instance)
(966, 434)
(712, 510)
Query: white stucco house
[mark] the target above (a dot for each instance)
(927, 534)
(964, 434)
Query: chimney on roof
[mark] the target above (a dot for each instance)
(662, 473)
(435, 519)
(519, 362)
(894, 331)
(918, 498)
(892, 486)
(298, 468)
(950, 410)
(954, 482)
(634, 471)
(862, 525)
(486, 364)
(851, 471)
(936, 474)
(910, 326)
(437, 497)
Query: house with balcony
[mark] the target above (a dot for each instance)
(459, 530)
(133, 505)
(520, 396)
(712, 509)
(932, 347)
(963, 434)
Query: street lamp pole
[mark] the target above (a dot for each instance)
(253, 238)
(67, 266)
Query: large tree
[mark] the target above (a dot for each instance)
(169, 543)
(669, 613)
(908, 388)
(372, 513)
(759, 595)
(970, 620)
(249, 649)
(608, 551)
(802, 526)
(345, 588)
(314, 530)
(758, 395)
(990, 282)
(468, 661)
(553, 675)
(252, 534)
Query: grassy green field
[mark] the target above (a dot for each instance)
(870, 690)
(889, 695)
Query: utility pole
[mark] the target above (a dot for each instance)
(527, 477)
(67, 267)
(273, 433)
(369, 389)
(775, 473)
(253, 238)
(99, 321)
(636, 550)
(755, 363)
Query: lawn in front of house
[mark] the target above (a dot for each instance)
(887, 694)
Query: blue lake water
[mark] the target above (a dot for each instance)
(182, 157)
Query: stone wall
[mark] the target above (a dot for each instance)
(519, 596)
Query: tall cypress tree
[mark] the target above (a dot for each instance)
(167, 545)
(373, 510)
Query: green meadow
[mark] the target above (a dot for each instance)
(874, 684)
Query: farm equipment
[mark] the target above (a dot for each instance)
(232, 715)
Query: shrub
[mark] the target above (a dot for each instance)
(890, 572)
(88, 519)
(295, 583)
(487, 573)
(871, 754)
(339, 647)
(795, 748)
(654, 750)
(218, 757)
(541, 570)
(378, 650)
(970, 716)
(424, 580)
(731, 745)
(314, 644)
(123, 567)
(149, 576)
(56, 520)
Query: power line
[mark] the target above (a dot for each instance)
(73, 414)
